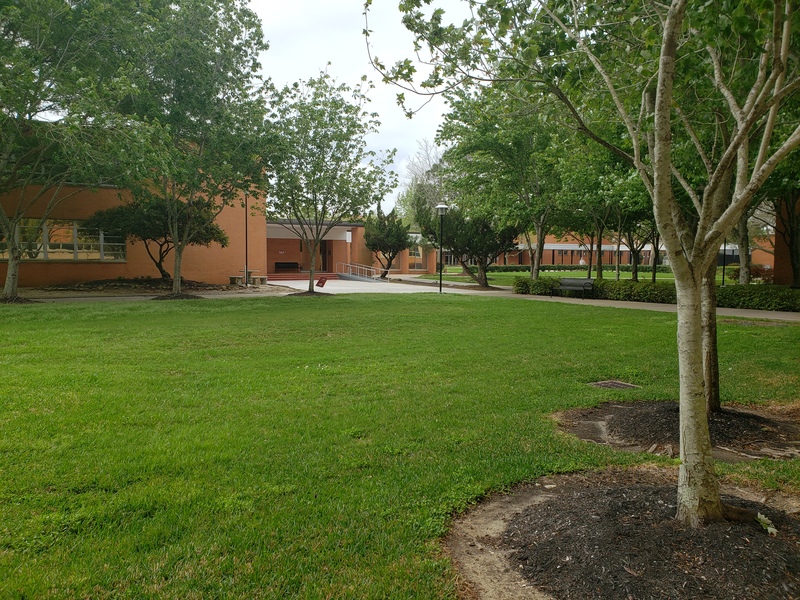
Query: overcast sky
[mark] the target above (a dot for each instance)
(305, 35)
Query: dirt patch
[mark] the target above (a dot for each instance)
(612, 534)
(143, 287)
(736, 433)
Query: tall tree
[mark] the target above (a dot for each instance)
(511, 142)
(198, 75)
(324, 173)
(61, 129)
(611, 60)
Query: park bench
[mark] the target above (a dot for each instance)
(577, 285)
(293, 267)
(254, 279)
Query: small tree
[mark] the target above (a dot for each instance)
(386, 236)
(148, 222)
(324, 173)
(473, 236)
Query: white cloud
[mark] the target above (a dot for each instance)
(306, 35)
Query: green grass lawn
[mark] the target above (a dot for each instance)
(308, 447)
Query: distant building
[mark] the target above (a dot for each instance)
(64, 252)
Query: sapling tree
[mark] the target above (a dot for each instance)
(198, 75)
(324, 174)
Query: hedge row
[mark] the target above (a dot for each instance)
(755, 297)
(759, 297)
(545, 268)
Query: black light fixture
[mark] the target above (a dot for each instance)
(441, 210)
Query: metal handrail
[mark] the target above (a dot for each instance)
(358, 270)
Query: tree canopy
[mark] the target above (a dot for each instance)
(386, 236)
(324, 174)
(65, 72)
(148, 222)
(699, 95)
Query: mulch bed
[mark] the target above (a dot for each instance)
(772, 432)
(139, 284)
(612, 535)
(657, 423)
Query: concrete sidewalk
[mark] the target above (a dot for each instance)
(410, 284)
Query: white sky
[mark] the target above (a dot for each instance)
(305, 35)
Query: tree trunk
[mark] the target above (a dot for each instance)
(616, 256)
(710, 355)
(11, 287)
(591, 258)
(654, 258)
(635, 254)
(743, 239)
(158, 262)
(537, 266)
(483, 278)
(533, 273)
(599, 256)
(176, 270)
(791, 227)
(794, 258)
(698, 490)
(312, 267)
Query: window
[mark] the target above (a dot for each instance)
(417, 258)
(58, 239)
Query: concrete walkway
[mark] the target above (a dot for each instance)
(409, 284)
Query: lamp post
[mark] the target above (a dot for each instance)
(441, 210)
(246, 265)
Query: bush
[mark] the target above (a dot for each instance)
(543, 268)
(754, 297)
(507, 269)
(537, 287)
(633, 291)
(757, 272)
(607, 268)
(759, 297)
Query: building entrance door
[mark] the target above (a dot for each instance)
(325, 256)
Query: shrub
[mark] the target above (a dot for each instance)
(632, 291)
(759, 297)
(754, 297)
(522, 285)
(538, 287)
(757, 272)
(507, 269)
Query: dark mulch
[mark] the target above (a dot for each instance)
(657, 423)
(181, 296)
(648, 424)
(141, 283)
(612, 535)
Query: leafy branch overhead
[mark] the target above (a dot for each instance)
(697, 98)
